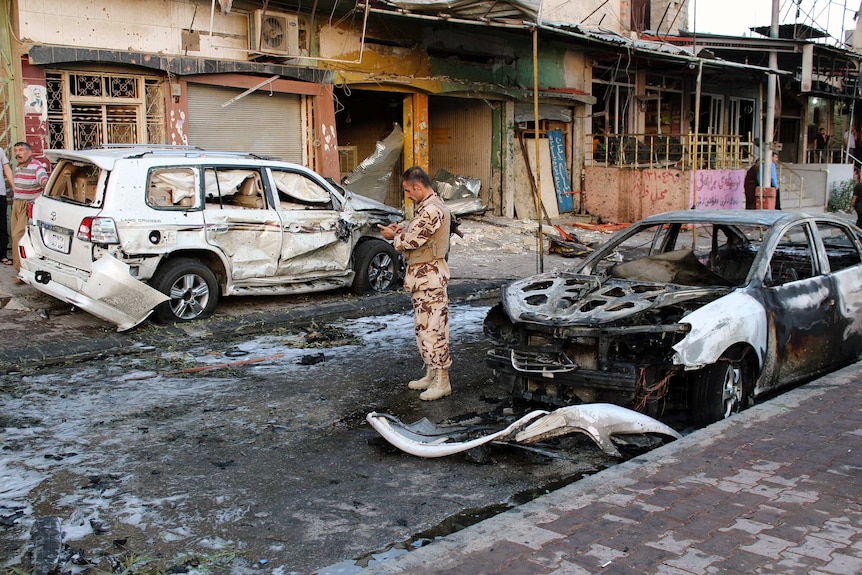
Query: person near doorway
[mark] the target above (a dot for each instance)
(773, 179)
(821, 142)
(752, 181)
(425, 244)
(752, 177)
(29, 181)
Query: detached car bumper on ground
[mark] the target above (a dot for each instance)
(195, 225)
(690, 312)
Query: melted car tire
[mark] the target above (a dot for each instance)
(189, 281)
(376, 265)
(718, 393)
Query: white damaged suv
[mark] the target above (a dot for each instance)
(123, 230)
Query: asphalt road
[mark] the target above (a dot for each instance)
(253, 452)
(267, 460)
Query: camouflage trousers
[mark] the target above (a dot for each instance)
(431, 322)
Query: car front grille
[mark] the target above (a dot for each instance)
(542, 362)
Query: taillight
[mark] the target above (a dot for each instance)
(98, 231)
(30, 211)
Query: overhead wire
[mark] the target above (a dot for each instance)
(792, 10)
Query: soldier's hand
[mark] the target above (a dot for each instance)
(389, 231)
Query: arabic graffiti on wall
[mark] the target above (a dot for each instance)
(717, 189)
(657, 185)
(625, 195)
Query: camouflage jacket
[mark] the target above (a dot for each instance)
(425, 242)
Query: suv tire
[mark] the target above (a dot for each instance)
(192, 287)
(376, 265)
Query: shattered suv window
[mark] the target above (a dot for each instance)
(234, 188)
(172, 188)
(297, 192)
(77, 182)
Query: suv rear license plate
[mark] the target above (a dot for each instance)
(56, 238)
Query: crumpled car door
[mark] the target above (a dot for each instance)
(316, 242)
(241, 221)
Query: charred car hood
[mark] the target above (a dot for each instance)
(567, 299)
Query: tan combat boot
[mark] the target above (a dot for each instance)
(439, 386)
(423, 382)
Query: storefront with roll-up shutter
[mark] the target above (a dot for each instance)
(261, 122)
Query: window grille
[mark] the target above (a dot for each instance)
(89, 109)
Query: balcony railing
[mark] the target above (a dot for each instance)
(828, 156)
(792, 186)
(684, 151)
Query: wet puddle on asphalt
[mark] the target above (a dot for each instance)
(448, 526)
(174, 378)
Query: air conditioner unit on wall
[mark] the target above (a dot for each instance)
(273, 33)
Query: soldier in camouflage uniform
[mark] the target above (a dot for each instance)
(425, 243)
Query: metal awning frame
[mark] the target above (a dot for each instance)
(608, 39)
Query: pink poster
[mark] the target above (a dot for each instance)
(717, 190)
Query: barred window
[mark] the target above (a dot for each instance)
(89, 109)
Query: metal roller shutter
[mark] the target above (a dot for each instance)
(461, 138)
(260, 123)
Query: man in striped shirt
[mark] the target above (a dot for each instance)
(30, 179)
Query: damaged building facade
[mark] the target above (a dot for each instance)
(160, 73)
(320, 85)
(680, 117)
(607, 108)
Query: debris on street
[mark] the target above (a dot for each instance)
(311, 359)
(46, 538)
(567, 249)
(606, 424)
(327, 336)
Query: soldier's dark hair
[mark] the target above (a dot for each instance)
(416, 174)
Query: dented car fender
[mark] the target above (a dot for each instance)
(733, 319)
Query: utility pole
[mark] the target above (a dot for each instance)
(769, 131)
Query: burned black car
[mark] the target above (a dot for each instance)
(691, 312)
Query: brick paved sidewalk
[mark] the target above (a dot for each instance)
(777, 489)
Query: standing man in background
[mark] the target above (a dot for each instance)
(4, 207)
(752, 180)
(425, 244)
(773, 180)
(855, 201)
(30, 179)
(821, 142)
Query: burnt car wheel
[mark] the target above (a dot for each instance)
(192, 287)
(376, 266)
(719, 392)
